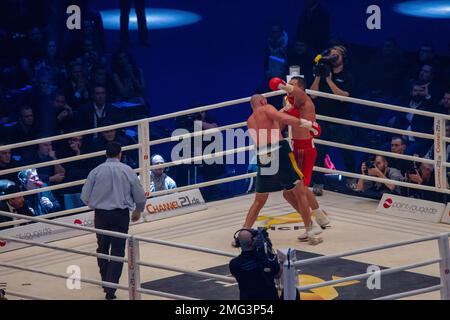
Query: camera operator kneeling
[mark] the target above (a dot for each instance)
(257, 267)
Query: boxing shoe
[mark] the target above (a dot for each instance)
(321, 218)
(310, 235)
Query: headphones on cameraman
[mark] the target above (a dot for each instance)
(236, 236)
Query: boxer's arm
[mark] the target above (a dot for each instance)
(281, 117)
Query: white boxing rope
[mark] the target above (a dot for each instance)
(204, 157)
(64, 276)
(372, 151)
(411, 293)
(75, 251)
(47, 216)
(368, 249)
(67, 225)
(377, 104)
(199, 274)
(368, 275)
(24, 296)
(65, 160)
(197, 133)
(366, 125)
(376, 179)
(50, 188)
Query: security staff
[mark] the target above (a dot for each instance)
(112, 190)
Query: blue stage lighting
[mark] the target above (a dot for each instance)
(437, 9)
(156, 19)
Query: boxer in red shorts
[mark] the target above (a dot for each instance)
(300, 105)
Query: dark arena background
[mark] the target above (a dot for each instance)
(67, 66)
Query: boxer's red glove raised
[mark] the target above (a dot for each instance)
(276, 84)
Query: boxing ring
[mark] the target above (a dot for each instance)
(136, 242)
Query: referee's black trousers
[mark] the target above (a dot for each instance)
(113, 220)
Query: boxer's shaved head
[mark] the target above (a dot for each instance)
(258, 100)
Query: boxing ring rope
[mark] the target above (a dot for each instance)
(144, 167)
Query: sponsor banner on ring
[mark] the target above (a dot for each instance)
(446, 215)
(174, 204)
(43, 233)
(411, 208)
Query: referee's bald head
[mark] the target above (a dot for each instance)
(113, 150)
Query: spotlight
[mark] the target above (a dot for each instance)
(156, 19)
(436, 9)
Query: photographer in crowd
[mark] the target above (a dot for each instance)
(330, 76)
(255, 269)
(380, 169)
(424, 175)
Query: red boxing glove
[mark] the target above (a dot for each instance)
(276, 84)
(316, 130)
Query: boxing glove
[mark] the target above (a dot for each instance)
(276, 84)
(313, 127)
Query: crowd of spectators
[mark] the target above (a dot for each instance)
(55, 81)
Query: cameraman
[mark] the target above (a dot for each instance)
(330, 76)
(254, 271)
(380, 169)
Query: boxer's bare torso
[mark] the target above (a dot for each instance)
(264, 130)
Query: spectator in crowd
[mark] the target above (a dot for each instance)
(52, 63)
(398, 146)
(92, 114)
(125, 7)
(101, 77)
(276, 53)
(424, 176)
(25, 129)
(425, 55)
(380, 169)
(339, 82)
(159, 179)
(42, 203)
(128, 78)
(411, 122)
(33, 50)
(17, 205)
(76, 170)
(130, 158)
(76, 91)
(300, 55)
(8, 162)
(385, 70)
(59, 118)
(50, 175)
(314, 26)
(444, 104)
(209, 171)
(427, 76)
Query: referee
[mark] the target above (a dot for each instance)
(112, 190)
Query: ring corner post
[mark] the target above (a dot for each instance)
(134, 281)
